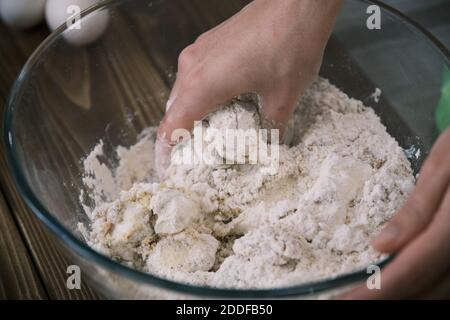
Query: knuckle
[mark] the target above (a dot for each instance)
(182, 111)
(187, 56)
(202, 37)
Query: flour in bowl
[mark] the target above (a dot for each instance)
(235, 225)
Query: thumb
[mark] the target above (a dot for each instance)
(184, 110)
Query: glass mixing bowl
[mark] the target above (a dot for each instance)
(67, 98)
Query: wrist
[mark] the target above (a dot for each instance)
(318, 15)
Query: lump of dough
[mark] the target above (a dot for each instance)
(175, 210)
(236, 116)
(119, 227)
(188, 251)
(133, 226)
(233, 131)
(340, 181)
(273, 244)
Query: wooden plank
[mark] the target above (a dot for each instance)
(50, 263)
(15, 47)
(19, 278)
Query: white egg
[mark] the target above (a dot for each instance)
(22, 14)
(79, 32)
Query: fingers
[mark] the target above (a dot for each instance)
(173, 94)
(425, 261)
(162, 157)
(277, 108)
(426, 258)
(421, 205)
(185, 61)
(181, 113)
(194, 100)
(195, 94)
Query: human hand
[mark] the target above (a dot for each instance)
(420, 236)
(273, 48)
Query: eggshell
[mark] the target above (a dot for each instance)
(22, 14)
(81, 32)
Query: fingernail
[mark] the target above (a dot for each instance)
(386, 235)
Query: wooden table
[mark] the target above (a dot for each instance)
(31, 267)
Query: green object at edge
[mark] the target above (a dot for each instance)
(443, 108)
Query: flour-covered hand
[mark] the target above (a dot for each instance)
(273, 48)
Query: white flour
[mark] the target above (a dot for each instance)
(233, 225)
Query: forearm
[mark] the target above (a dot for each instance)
(321, 13)
(319, 9)
(288, 18)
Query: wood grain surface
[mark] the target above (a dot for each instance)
(31, 267)
(30, 264)
(18, 275)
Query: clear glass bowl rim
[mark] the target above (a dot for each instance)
(73, 243)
